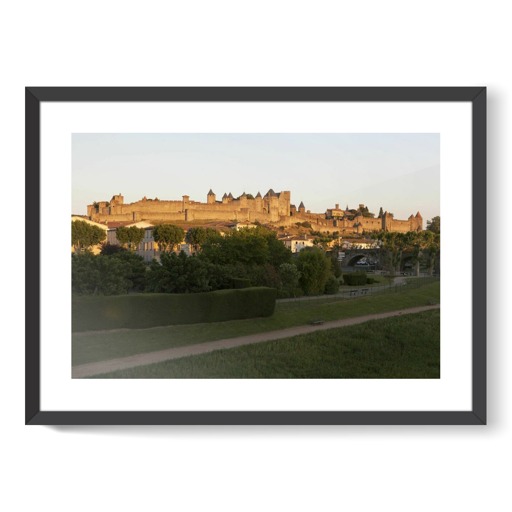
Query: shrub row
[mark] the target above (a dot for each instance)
(139, 311)
(354, 279)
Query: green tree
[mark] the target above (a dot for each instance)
(196, 237)
(254, 246)
(434, 225)
(168, 236)
(335, 264)
(315, 268)
(85, 276)
(130, 237)
(332, 285)
(431, 249)
(423, 245)
(135, 269)
(111, 249)
(85, 235)
(166, 275)
(99, 275)
(290, 277)
(413, 244)
(278, 253)
(179, 273)
(242, 246)
(392, 245)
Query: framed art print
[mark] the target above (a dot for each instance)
(256, 255)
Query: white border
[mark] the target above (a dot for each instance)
(450, 393)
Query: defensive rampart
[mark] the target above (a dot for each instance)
(274, 208)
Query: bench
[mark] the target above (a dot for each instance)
(316, 322)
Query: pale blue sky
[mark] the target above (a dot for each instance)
(399, 172)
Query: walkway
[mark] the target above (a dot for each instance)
(123, 363)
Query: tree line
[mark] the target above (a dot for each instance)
(249, 257)
(418, 246)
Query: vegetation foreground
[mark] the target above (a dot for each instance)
(399, 347)
(91, 347)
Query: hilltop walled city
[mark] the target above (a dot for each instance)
(274, 208)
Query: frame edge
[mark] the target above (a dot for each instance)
(479, 136)
(33, 98)
(32, 256)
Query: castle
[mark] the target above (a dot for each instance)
(272, 208)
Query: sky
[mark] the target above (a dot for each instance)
(400, 172)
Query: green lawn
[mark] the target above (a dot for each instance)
(99, 346)
(401, 347)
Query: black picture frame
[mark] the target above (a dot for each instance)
(35, 96)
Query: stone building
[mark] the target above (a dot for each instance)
(355, 221)
(272, 208)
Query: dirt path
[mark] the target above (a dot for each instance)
(123, 363)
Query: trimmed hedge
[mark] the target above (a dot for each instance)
(355, 279)
(139, 311)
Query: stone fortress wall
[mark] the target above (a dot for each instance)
(272, 208)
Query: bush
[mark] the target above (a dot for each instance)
(179, 274)
(239, 282)
(314, 267)
(220, 277)
(290, 276)
(99, 275)
(332, 285)
(355, 279)
(108, 249)
(139, 311)
(136, 269)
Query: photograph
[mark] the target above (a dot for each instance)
(255, 255)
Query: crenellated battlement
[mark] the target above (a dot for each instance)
(271, 208)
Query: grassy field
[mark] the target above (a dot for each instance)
(99, 346)
(400, 347)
